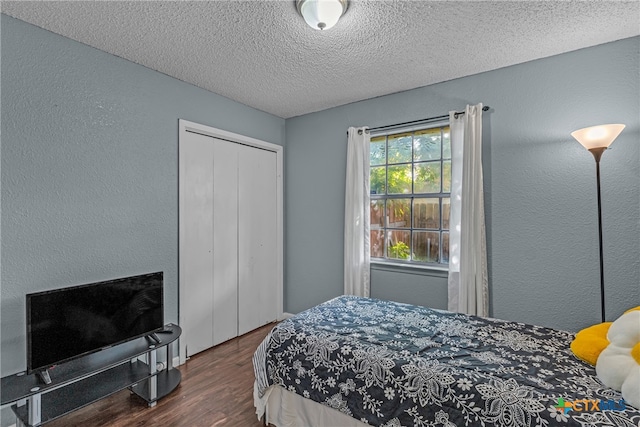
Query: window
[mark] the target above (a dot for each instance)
(410, 182)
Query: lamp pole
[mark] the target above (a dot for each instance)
(597, 154)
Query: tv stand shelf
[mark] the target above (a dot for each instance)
(80, 382)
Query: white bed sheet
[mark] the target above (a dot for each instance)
(287, 409)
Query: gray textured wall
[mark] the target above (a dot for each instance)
(540, 189)
(89, 169)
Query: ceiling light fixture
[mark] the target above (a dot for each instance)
(321, 14)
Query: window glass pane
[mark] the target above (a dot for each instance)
(410, 181)
(377, 179)
(399, 213)
(446, 211)
(378, 150)
(446, 176)
(426, 144)
(426, 246)
(376, 214)
(446, 143)
(398, 244)
(426, 177)
(400, 148)
(445, 248)
(426, 213)
(399, 179)
(377, 244)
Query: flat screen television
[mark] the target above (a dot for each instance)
(66, 323)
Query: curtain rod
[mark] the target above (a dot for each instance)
(428, 119)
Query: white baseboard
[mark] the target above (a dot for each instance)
(285, 316)
(176, 361)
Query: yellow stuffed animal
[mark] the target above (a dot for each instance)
(589, 342)
(618, 366)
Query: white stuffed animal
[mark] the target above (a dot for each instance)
(618, 365)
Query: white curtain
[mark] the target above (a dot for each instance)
(468, 281)
(356, 215)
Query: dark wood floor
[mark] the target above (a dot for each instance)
(216, 390)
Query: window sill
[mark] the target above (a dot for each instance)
(398, 267)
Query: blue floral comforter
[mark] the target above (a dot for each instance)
(393, 364)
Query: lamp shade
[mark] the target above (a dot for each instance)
(597, 136)
(321, 14)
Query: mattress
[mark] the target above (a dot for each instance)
(392, 364)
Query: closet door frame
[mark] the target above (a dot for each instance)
(185, 127)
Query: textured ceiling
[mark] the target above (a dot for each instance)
(262, 54)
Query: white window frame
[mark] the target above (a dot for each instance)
(385, 261)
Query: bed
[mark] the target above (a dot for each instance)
(355, 361)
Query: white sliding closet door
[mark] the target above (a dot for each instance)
(225, 240)
(196, 193)
(230, 236)
(257, 260)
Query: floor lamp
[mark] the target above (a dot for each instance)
(596, 139)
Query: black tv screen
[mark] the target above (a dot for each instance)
(66, 323)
